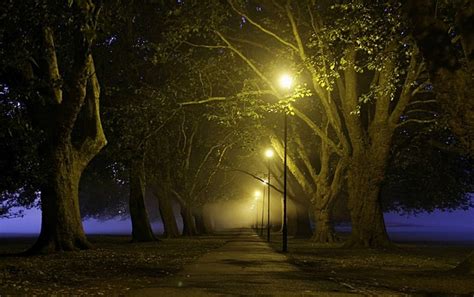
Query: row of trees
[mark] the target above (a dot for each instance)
(186, 89)
(362, 81)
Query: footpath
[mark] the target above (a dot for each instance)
(244, 266)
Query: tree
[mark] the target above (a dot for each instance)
(21, 174)
(198, 155)
(104, 189)
(444, 35)
(424, 175)
(319, 177)
(446, 40)
(61, 71)
(137, 102)
(360, 68)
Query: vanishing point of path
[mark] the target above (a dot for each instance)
(245, 266)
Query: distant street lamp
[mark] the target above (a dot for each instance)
(269, 154)
(286, 82)
(256, 195)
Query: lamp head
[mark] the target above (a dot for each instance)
(269, 153)
(286, 81)
(257, 195)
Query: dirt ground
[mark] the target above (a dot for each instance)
(414, 269)
(112, 268)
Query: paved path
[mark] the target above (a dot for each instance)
(244, 266)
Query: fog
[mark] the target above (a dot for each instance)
(241, 213)
(455, 227)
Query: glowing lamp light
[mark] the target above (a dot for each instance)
(269, 153)
(286, 81)
(257, 195)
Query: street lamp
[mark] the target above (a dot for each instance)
(286, 82)
(269, 154)
(256, 195)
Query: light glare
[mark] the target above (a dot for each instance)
(286, 81)
(269, 153)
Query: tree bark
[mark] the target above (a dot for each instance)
(61, 224)
(323, 231)
(364, 180)
(323, 202)
(189, 224)
(167, 215)
(141, 228)
(66, 156)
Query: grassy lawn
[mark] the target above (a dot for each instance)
(408, 268)
(114, 266)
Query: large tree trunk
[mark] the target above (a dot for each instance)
(323, 229)
(61, 224)
(364, 180)
(323, 204)
(141, 228)
(167, 214)
(74, 139)
(189, 224)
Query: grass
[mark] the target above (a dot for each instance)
(116, 266)
(113, 267)
(417, 269)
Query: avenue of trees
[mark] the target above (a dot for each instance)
(380, 114)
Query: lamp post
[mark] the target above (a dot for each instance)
(269, 155)
(256, 196)
(286, 81)
(263, 211)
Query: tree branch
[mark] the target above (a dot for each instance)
(54, 78)
(293, 168)
(248, 62)
(261, 28)
(257, 178)
(405, 97)
(417, 121)
(95, 139)
(317, 130)
(205, 45)
(224, 98)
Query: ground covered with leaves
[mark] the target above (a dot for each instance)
(413, 269)
(113, 267)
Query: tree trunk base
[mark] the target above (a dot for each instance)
(324, 231)
(52, 245)
(380, 243)
(325, 237)
(189, 223)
